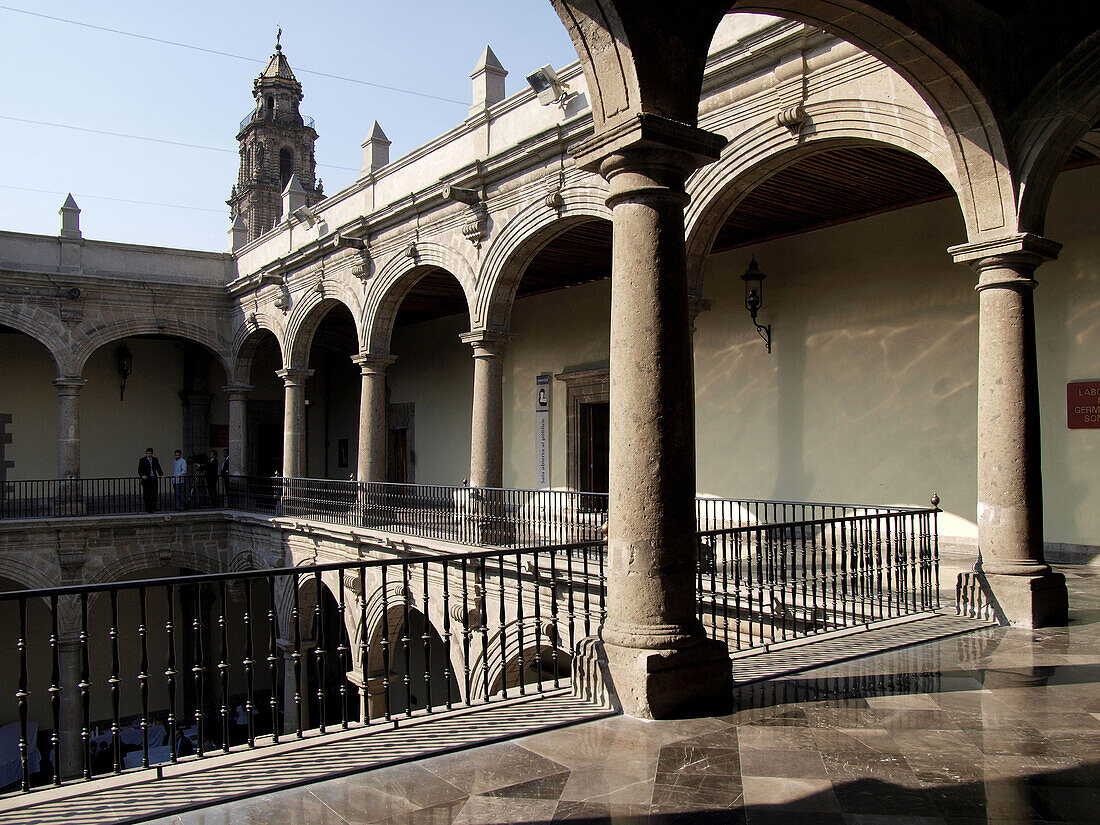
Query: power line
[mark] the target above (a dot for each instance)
(146, 138)
(227, 54)
(116, 200)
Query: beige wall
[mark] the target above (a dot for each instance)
(434, 370)
(560, 331)
(28, 396)
(114, 431)
(1068, 331)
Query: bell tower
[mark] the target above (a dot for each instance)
(276, 143)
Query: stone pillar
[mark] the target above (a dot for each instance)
(238, 427)
(68, 426)
(72, 715)
(294, 420)
(660, 660)
(371, 464)
(1010, 484)
(487, 424)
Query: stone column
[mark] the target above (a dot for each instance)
(294, 420)
(68, 426)
(72, 716)
(371, 464)
(1010, 484)
(238, 426)
(487, 424)
(661, 662)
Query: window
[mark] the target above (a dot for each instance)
(286, 166)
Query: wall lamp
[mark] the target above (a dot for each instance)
(754, 299)
(303, 214)
(124, 363)
(547, 86)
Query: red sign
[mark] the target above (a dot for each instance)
(1083, 405)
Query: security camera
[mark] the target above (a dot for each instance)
(303, 214)
(547, 86)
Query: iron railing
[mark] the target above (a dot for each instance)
(103, 496)
(771, 583)
(167, 669)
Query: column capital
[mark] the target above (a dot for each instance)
(1022, 249)
(294, 375)
(487, 343)
(652, 142)
(69, 385)
(238, 390)
(371, 363)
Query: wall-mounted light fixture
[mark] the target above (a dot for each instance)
(547, 86)
(124, 363)
(754, 299)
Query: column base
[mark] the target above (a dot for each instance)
(683, 683)
(1025, 601)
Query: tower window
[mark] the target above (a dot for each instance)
(286, 165)
(270, 104)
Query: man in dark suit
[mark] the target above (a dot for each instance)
(149, 470)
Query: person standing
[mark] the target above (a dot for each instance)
(149, 470)
(179, 480)
(224, 472)
(210, 468)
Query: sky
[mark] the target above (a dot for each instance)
(92, 110)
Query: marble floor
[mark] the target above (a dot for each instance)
(999, 725)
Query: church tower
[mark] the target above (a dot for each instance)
(276, 144)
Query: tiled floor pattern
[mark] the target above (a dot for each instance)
(118, 800)
(996, 726)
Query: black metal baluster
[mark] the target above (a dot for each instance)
(85, 687)
(170, 671)
(55, 690)
(406, 640)
(426, 641)
(319, 652)
(143, 677)
(386, 643)
(115, 683)
(249, 664)
(22, 695)
(197, 672)
(587, 594)
(554, 633)
(447, 675)
(761, 581)
(537, 594)
(273, 658)
(342, 652)
(483, 608)
(723, 542)
(569, 607)
(519, 624)
(296, 656)
(223, 664)
(502, 621)
(466, 614)
(364, 647)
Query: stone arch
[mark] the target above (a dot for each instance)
(766, 148)
(1056, 116)
(43, 328)
(308, 313)
(246, 340)
(30, 573)
(638, 61)
(133, 561)
(100, 336)
(398, 277)
(520, 241)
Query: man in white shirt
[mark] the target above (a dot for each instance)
(179, 487)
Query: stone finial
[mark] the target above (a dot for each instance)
(376, 150)
(70, 218)
(294, 196)
(238, 233)
(488, 76)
